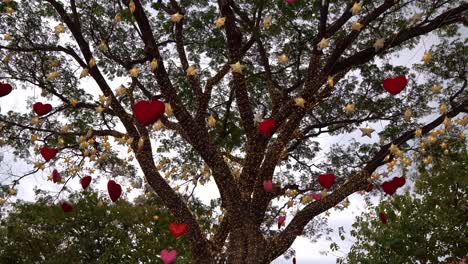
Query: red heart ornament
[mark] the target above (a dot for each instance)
(383, 217)
(290, 1)
(316, 196)
(389, 187)
(148, 112)
(399, 181)
(327, 180)
(66, 207)
(114, 189)
(168, 256)
(294, 260)
(56, 176)
(268, 186)
(266, 127)
(177, 230)
(85, 181)
(48, 153)
(5, 89)
(42, 109)
(395, 85)
(281, 220)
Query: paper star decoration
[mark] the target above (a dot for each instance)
(154, 65)
(191, 71)
(134, 72)
(220, 22)
(283, 59)
(103, 45)
(84, 73)
(267, 22)
(237, 67)
(436, 89)
(60, 28)
(356, 26)
(323, 44)
(131, 6)
(330, 81)
(7, 37)
(299, 101)
(443, 108)
(73, 102)
(120, 91)
(176, 18)
(367, 131)
(379, 44)
(415, 19)
(349, 109)
(356, 9)
(92, 62)
(427, 57)
(211, 121)
(53, 75)
(408, 115)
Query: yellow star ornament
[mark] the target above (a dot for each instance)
(237, 67)
(283, 59)
(367, 131)
(220, 22)
(267, 22)
(176, 18)
(356, 9)
(427, 57)
(356, 26)
(323, 44)
(191, 71)
(299, 101)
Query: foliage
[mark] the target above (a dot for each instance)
(123, 232)
(424, 226)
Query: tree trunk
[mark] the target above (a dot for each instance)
(246, 245)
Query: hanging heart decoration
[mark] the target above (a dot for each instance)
(168, 256)
(316, 196)
(5, 89)
(42, 109)
(66, 207)
(327, 180)
(267, 186)
(383, 217)
(85, 181)
(395, 85)
(281, 220)
(266, 127)
(148, 112)
(56, 177)
(114, 189)
(177, 230)
(48, 153)
(390, 187)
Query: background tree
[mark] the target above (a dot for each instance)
(424, 226)
(223, 68)
(94, 232)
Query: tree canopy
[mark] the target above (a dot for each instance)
(94, 232)
(428, 225)
(239, 94)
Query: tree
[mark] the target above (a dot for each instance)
(125, 233)
(248, 88)
(426, 226)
